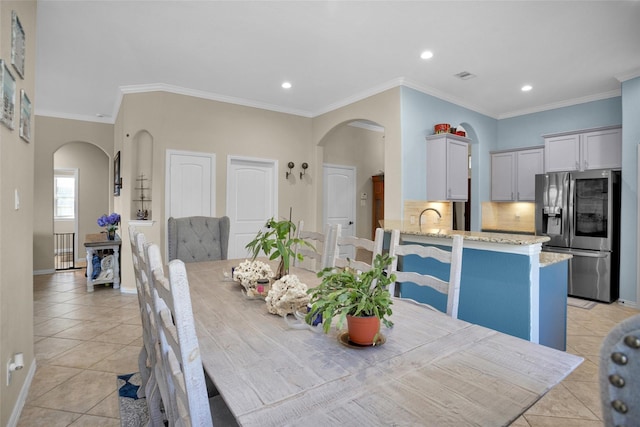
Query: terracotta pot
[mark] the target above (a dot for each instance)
(362, 330)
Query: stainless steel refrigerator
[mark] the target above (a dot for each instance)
(580, 212)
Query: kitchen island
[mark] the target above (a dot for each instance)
(507, 284)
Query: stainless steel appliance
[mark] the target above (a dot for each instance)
(580, 212)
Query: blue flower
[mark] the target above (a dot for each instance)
(109, 221)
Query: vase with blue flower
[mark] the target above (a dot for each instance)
(110, 223)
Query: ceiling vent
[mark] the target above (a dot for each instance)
(465, 75)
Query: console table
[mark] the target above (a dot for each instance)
(98, 243)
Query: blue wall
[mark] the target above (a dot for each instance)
(629, 220)
(419, 113)
(527, 130)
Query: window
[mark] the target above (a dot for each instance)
(64, 195)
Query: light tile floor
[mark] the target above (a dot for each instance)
(83, 340)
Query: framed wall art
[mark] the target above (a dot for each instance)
(25, 116)
(17, 45)
(117, 179)
(7, 94)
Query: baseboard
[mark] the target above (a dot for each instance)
(40, 272)
(22, 397)
(628, 303)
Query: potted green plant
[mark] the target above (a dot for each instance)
(278, 241)
(344, 294)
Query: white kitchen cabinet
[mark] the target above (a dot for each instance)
(596, 149)
(447, 167)
(513, 174)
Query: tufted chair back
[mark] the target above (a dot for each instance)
(620, 374)
(198, 238)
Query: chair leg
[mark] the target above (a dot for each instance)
(143, 368)
(154, 403)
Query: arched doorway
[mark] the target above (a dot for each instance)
(358, 146)
(75, 215)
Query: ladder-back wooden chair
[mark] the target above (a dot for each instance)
(366, 246)
(186, 393)
(450, 288)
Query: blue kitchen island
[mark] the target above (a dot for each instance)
(507, 284)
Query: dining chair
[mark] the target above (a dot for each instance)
(144, 366)
(316, 257)
(620, 374)
(149, 354)
(450, 287)
(186, 391)
(363, 248)
(198, 238)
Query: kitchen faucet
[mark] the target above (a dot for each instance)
(421, 213)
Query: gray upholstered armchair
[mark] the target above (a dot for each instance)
(620, 374)
(198, 238)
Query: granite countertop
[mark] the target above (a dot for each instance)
(549, 258)
(478, 236)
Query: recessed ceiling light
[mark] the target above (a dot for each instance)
(526, 88)
(286, 85)
(427, 54)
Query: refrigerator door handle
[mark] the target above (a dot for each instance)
(589, 254)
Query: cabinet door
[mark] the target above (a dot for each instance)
(436, 169)
(457, 170)
(502, 176)
(602, 149)
(529, 163)
(562, 153)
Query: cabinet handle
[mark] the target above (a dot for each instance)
(577, 165)
(512, 195)
(449, 193)
(586, 164)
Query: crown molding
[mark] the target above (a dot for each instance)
(566, 103)
(628, 75)
(72, 116)
(359, 96)
(448, 98)
(162, 87)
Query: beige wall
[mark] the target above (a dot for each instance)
(54, 133)
(364, 150)
(383, 109)
(179, 122)
(16, 225)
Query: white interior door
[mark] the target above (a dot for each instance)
(339, 201)
(190, 184)
(252, 198)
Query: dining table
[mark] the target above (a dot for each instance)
(427, 369)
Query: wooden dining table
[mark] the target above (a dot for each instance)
(430, 370)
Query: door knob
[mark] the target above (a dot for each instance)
(350, 222)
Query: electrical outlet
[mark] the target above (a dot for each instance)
(412, 219)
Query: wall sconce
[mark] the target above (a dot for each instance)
(304, 165)
(290, 165)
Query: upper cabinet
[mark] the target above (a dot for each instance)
(447, 167)
(597, 149)
(513, 174)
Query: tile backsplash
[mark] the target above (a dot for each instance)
(506, 216)
(430, 220)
